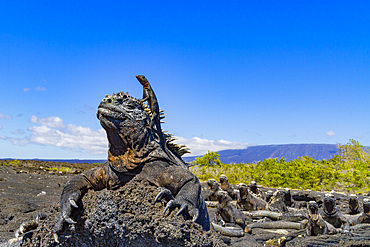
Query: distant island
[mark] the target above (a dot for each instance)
(253, 154)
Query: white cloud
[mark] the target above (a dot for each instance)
(26, 89)
(55, 133)
(199, 146)
(52, 131)
(54, 122)
(3, 116)
(330, 133)
(40, 89)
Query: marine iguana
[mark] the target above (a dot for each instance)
(228, 187)
(133, 151)
(332, 215)
(276, 202)
(229, 213)
(214, 188)
(269, 195)
(363, 217)
(316, 224)
(353, 205)
(287, 198)
(248, 201)
(255, 190)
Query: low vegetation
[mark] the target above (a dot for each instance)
(48, 167)
(347, 171)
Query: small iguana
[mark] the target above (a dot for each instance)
(249, 201)
(226, 186)
(353, 205)
(229, 213)
(256, 191)
(332, 215)
(316, 224)
(151, 98)
(363, 217)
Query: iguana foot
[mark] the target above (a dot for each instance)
(65, 215)
(173, 203)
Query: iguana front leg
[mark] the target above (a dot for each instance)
(74, 190)
(184, 189)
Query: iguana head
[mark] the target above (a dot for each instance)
(213, 185)
(222, 197)
(126, 124)
(329, 204)
(253, 186)
(132, 141)
(143, 81)
(313, 208)
(243, 190)
(353, 203)
(224, 182)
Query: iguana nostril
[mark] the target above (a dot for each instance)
(109, 101)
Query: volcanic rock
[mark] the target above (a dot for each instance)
(124, 217)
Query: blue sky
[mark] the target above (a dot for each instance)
(227, 73)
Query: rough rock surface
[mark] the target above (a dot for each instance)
(127, 216)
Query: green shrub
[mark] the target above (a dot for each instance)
(347, 171)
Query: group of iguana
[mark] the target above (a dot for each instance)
(281, 210)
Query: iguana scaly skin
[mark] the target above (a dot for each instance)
(332, 215)
(316, 224)
(249, 201)
(229, 213)
(353, 205)
(226, 186)
(363, 217)
(134, 150)
(276, 202)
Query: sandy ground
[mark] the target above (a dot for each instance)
(27, 189)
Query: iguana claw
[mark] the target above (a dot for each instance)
(70, 221)
(183, 210)
(165, 193)
(196, 215)
(170, 206)
(73, 203)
